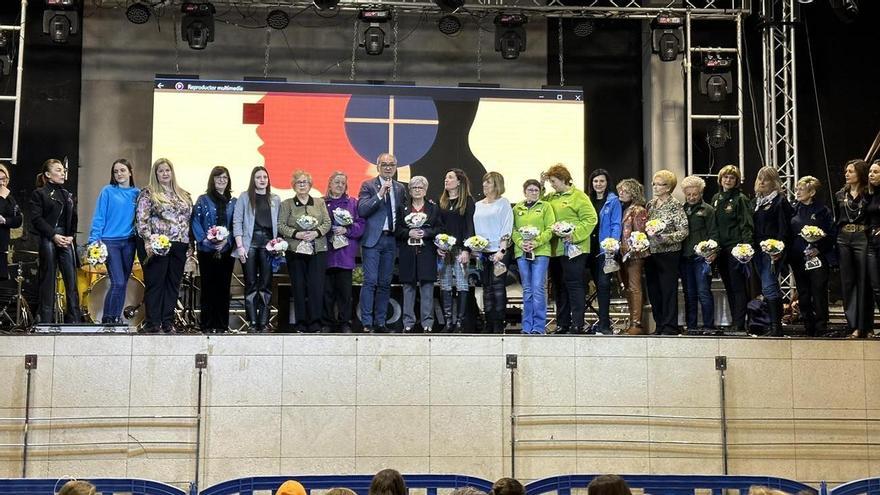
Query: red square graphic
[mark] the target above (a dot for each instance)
(252, 113)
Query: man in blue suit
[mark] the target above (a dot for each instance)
(378, 200)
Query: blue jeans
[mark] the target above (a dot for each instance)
(697, 292)
(120, 257)
(378, 268)
(534, 280)
(769, 276)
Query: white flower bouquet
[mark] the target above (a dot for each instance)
(610, 247)
(343, 218)
(306, 223)
(415, 220)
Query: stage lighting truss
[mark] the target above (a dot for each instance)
(510, 35)
(197, 25)
(667, 36)
(277, 19)
(60, 20)
(449, 25)
(716, 81)
(138, 13)
(374, 36)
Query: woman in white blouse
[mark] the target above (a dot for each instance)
(493, 219)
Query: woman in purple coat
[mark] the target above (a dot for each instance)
(342, 248)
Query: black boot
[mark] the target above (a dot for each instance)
(263, 299)
(446, 296)
(250, 310)
(462, 301)
(774, 308)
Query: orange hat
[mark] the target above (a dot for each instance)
(291, 487)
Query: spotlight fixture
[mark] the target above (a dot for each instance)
(60, 20)
(6, 52)
(325, 4)
(846, 10)
(449, 5)
(718, 135)
(278, 19)
(666, 36)
(715, 79)
(584, 28)
(137, 13)
(449, 25)
(374, 36)
(197, 25)
(510, 36)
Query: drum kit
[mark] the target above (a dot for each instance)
(93, 284)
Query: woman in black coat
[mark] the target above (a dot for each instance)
(10, 218)
(417, 258)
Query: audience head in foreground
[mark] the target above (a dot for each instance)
(388, 482)
(75, 487)
(508, 486)
(608, 484)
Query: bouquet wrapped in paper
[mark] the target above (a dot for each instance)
(610, 247)
(96, 253)
(476, 243)
(655, 227)
(343, 218)
(415, 220)
(564, 230)
(743, 253)
(812, 235)
(160, 244)
(217, 234)
(306, 222)
(276, 248)
(638, 243)
(445, 242)
(773, 247)
(706, 249)
(528, 233)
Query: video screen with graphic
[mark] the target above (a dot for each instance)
(321, 128)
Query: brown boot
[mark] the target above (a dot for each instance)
(635, 330)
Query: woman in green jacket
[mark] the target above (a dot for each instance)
(532, 229)
(733, 215)
(568, 258)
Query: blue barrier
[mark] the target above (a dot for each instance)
(870, 486)
(670, 484)
(360, 483)
(105, 486)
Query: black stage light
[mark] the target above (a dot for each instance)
(715, 78)
(718, 135)
(278, 19)
(6, 52)
(137, 13)
(449, 25)
(449, 5)
(60, 20)
(666, 36)
(325, 4)
(510, 36)
(197, 25)
(584, 28)
(374, 36)
(846, 10)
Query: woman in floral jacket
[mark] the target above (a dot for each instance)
(634, 218)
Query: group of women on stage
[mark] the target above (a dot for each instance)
(559, 232)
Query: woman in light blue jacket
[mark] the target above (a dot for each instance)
(254, 224)
(215, 208)
(608, 207)
(113, 224)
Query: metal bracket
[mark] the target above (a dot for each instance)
(201, 361)
(30, 361)
(511, 361)
(720, 363)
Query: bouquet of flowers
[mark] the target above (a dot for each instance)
(638, 243)
(743, 253)
(444, 242)
(276, 248)
(655, 227)
(772, 247)
(528, 233)
(812, 235)
(610, 246)
(706, 249)
(160, 244)
(476, 243)
(306, 222)
(96, 253)
(565, 229)
(343, 218)
(415, 220)
(217, 234)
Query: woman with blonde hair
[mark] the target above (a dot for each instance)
(53, 217)
(306, 251)
(340, 260)
(77, 487)
(634, 217)
(10, 218)
(809, 261)
(733, 215)
(493, 219)
(163, 208)
(772, 219)
(662, 266)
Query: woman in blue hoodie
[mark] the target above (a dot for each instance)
(214, 208)
(113, 224)
(607, 205)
